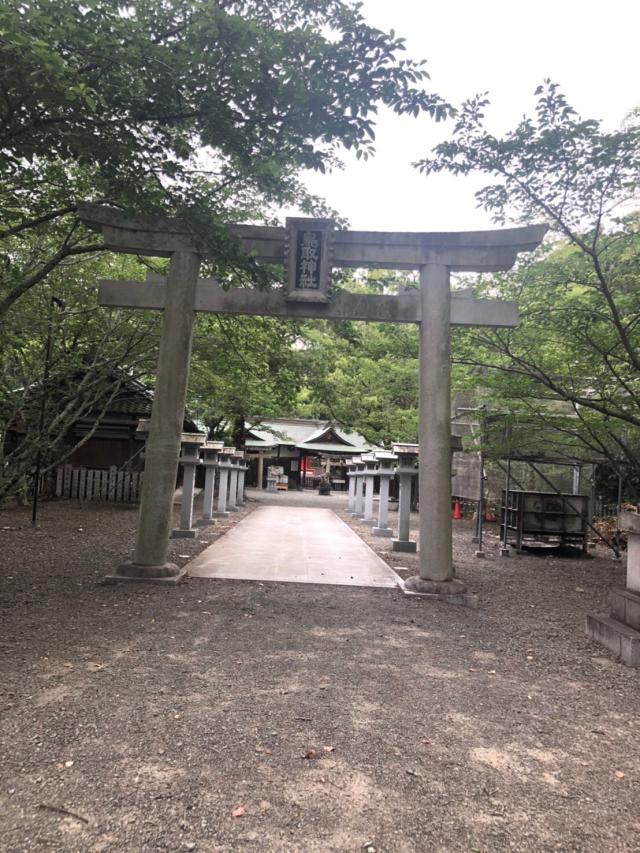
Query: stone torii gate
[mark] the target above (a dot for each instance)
(309, 249)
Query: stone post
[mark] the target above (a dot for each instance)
(385, 462)
(358, 511)
(619, 630)
(210, 461)
(233, 483)
(260, 469)
(241, 474)
(189, 459)
(224, 466)
(167, 416)
(406, 470)
(370, 470)
(351, 495)
(436, 563)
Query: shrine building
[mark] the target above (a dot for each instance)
(304, 449)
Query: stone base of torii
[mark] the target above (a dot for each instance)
(309, 249)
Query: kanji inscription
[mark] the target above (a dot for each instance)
(308, 259)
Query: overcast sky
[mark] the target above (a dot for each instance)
(505, 47)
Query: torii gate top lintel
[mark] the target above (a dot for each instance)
(460, 251)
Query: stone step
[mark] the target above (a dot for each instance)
(625, 607)
(619, 638)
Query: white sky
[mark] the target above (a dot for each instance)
(506, 47)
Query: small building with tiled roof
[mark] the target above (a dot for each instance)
(303, 448)
(116, 439)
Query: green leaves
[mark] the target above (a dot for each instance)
(570, 371)
(250, 80)
(363, 375)
(203, 110)
(557, 166)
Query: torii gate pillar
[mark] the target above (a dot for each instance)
(165, 428)
(434, 433)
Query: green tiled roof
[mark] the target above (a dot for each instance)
(303, 434)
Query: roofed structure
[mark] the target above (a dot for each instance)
(303, 448)
(316, 436)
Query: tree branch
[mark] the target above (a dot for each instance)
(26, 284)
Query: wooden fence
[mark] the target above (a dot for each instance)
(91, 484)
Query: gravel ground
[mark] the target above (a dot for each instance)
(225, 715)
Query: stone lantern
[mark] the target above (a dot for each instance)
(385, 462)
(190, 445)
(406, 470)
(358, 506)
(242, 470)
(234, 459)
(369, 473)
(224, 466)
(210, 452)
(351, 495)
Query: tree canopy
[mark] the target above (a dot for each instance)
(192, 107)
(204, 109)
(572, 364)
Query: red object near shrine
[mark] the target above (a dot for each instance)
(456, 510)
(488, 515)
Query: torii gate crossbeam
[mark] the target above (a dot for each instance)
(434, 308)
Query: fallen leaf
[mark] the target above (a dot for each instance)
(238, 812)
(312, 753)
(472, 669)
(70, 764)
(619, 774)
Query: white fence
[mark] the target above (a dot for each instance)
(95, 484)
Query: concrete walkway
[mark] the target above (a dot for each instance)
(293, 544)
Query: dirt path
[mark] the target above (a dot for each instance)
(327, 718)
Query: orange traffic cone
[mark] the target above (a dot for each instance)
(456, 510)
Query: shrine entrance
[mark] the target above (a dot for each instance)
(309, 249)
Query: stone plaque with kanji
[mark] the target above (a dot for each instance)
(308, 252)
